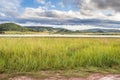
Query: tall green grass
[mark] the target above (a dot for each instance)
(34, 54)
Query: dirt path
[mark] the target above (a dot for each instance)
(59, 36)
(96, 76)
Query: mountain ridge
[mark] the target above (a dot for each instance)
(52, 30)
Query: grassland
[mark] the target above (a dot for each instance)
(37, 54)
(47, 32)
(26, 32)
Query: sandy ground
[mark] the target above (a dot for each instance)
(96, 76)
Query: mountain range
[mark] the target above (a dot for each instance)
(15, 27)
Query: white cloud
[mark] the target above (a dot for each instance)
(53, 6)
(51, 14)
(31, 13)
(10, 8)
(61, 4)
(48, 13)
(46, 4)
(2, 15)
(101, 9)
(115, 17)
(43, 15)
(41, 1)
(12, 5)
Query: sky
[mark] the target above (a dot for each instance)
(71, 14)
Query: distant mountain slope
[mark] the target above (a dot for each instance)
(44, 29)
(66, 31)
(49, 29)
(11, 27)
(100, 31)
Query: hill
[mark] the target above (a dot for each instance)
(6, 27)
(97, 30)
(66, 31)
(12, 27)
(50, 29)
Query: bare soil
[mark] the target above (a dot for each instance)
(95, 76)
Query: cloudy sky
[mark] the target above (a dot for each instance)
(73, 14)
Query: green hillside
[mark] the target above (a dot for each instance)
(50, 29)
(11, 27)
(8, 28)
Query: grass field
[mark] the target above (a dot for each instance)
(36, 54)
(47, 32)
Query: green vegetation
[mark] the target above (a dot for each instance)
(50, 30)
(66, 31)
(100, 31)
(11, 27)
(36, 54)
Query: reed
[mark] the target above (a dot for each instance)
(35, 54)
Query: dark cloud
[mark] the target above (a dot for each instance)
(107, 4)
(97, 4)
(73, 21)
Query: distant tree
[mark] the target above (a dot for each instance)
(1, 32)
